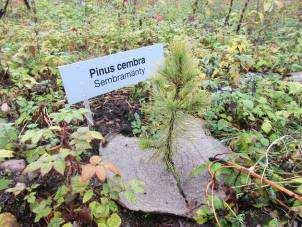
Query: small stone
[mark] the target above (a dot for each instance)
(5, 107)
(28, 177)
(296, 76)
(8, 220)
(13, 165)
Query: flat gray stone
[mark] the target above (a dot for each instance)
(296, 76)
(193, 148)
(162, 195)
(13, 165)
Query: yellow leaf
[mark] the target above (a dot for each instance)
(8, 220)
(19, 187)
(6, 153)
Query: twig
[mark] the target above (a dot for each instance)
(212, 183)
(255, 175)
(267, 151)
(3, 11)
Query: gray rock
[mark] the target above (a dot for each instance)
(296, 76)
(195, 147)
(162, 195)
(13, 165)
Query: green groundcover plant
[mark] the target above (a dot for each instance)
(259, 118)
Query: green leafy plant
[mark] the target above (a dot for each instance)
(261, 122)
(137, 125)
(47, 162)
(8, 136)
(68, 115)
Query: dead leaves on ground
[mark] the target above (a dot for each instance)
(99, 168)
(8, 220)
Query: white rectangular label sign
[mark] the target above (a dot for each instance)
(86, 79)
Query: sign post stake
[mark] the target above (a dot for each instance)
(88, 115)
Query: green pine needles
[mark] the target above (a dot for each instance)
(176, 93)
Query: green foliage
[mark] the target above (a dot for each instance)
(137, 127)
(271, 108)
(132, 188)
(68, 115)
(82, 137)
(224, 58)
(8, 136)
(199, 169)
(46, 162)
(41, 209)
(35, 135)
(203, 215)
(4, 183)
(105, 213)
(260, 120)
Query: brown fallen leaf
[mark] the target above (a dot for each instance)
(99, 168)
(87, 172)
(95, 160)
(109, 166)
(101, 173)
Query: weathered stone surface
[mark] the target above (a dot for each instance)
(13, 165)
(161, 192)
(193, 148)
(297, 76)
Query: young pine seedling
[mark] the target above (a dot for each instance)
(177, 92)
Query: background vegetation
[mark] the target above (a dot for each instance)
(245, 49)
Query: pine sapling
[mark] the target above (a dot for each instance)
(176, 93)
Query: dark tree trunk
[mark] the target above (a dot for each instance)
(242, 15)
(27, 4)
(226, 22)
(3, 11)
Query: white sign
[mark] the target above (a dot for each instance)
(86, 79)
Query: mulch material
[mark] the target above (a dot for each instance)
(113, 112)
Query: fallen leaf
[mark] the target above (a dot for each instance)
(95, 160)
(279, 3)
(87, 172)
(109, 166)
(17, 189)
(101, 173)
(6, 153)
(99, 168)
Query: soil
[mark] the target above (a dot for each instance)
(139, 219)
(113, 112)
